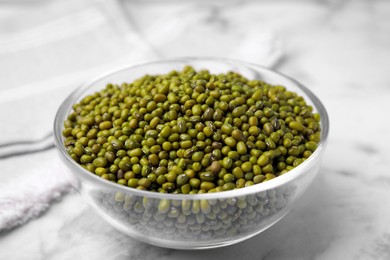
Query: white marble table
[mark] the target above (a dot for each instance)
(338, 49)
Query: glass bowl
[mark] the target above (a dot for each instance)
(196, 221)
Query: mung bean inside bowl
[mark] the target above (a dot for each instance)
(192, 153)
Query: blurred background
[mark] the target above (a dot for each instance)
(339, 49)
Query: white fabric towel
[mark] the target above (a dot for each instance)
(27, 198)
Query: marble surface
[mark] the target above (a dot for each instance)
(339, 49)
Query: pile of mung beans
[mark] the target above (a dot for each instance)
(190, 132)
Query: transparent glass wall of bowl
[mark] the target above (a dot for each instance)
(193, 223)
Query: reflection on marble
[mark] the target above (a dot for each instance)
(340, 51)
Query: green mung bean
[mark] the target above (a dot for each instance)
(191, 132)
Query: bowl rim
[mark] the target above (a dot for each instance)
(295, 173)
